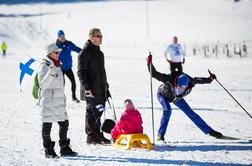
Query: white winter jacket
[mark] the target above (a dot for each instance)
(52, 99)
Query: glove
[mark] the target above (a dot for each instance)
(183, 60)
(88, 93)
(212, 76)
(169, 61)
(149, 59)
(53, 71)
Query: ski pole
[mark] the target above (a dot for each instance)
(153, 135)
(111, 105)
(231, 95)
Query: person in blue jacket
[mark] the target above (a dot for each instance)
(66, 60)
(174, 88)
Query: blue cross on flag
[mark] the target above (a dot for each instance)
(25, 69)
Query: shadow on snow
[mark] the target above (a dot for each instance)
(147, 161)
(19, 2)
(205, 148)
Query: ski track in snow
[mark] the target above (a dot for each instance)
(125, 47)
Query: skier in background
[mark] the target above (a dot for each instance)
(4, 48)
(66, 60)
(173, 90)
(174, 55)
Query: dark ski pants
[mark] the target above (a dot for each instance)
(174, 66)
(92, 119)
(69, 73)
(46, 132)
(182, 104)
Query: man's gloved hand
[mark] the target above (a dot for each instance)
(169, 61)
(88, 93)
(149, 59)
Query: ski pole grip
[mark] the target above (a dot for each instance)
(212, 75)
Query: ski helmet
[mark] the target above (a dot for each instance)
(183, 80)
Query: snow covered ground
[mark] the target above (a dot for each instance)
(126, 44)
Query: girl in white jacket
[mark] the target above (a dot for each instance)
(52, 102)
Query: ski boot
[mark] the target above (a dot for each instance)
(215, 134)
(161, 140)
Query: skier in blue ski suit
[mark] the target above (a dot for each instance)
(65, 58)
(176, 86)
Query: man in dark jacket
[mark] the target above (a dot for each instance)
(173, 90)
(66, 60)
(93, 79)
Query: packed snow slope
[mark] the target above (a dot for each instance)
(130, 29)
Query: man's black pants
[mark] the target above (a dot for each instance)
(93, 120)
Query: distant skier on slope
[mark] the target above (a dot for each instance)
(4, 48)
(176, 86)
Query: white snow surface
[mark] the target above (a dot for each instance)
(126, 45)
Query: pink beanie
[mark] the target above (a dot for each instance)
(128, 105)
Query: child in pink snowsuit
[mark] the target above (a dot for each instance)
(129, 123)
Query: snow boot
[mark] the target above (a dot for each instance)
(215, 134)
(74, 98)
(104, 140)
(92, 139)
(49, 150)
(65, 149)
(160, 138)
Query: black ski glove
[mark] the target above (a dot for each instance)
(212, 76)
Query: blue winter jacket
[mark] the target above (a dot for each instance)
(65, 55)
